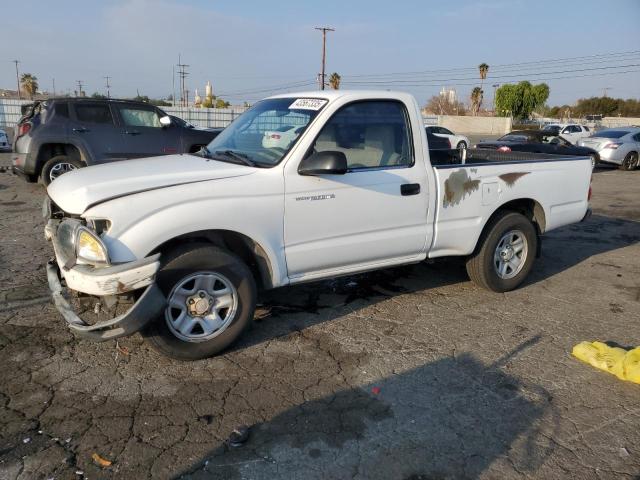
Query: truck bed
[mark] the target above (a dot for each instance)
(480, 156)
(469, 193)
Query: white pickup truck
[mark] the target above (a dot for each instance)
(189, 240)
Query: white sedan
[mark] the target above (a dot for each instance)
(572, 132)
(459, 142)
(281, 137)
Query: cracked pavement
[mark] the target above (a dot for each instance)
(408, 373)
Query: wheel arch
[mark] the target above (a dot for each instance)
(528, 207)
(247, 249)
(48, 150)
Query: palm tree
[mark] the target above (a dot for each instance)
(334, 80)
(476, 99)
(29, 84)
(484, 69)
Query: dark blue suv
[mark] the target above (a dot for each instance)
(62, 134)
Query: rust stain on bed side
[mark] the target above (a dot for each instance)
(511, 178)
(458, 186)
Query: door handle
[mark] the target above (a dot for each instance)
(80, 129)
(410, 189)
(132, 132)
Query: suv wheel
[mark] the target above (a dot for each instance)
(57, 166)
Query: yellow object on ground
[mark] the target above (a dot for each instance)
(624, 364)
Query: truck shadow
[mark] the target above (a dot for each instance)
(452, 418)
(295, 308)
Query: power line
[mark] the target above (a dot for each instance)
(450, 80)
(493, 67)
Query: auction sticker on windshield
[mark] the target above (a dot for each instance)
(308, 104)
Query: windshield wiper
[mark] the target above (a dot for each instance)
(236, 156)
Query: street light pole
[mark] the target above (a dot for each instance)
(324, 31)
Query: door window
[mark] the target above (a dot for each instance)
(93, 113)
(371, 134)
(140, 117)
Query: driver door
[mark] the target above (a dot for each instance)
(372, 216)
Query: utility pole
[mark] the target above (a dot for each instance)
(324, 31)
(80, 92)
(495, 86)
(183, 74)
(604, 91)
(53, 80)
(107, 78)
(17, 77)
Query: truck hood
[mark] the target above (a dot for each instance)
(76, 191)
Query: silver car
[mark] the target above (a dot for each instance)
(619, 146)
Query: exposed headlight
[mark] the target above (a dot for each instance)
(90, 248)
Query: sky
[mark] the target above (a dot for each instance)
(250, 49)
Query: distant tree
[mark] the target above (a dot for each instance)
(98, 95)
(476, 100)
(29, 84)
(483, 68)
(220, 103)
(521, 99)
(334, 80)
(440, 105)
(152, 101)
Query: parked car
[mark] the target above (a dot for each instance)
(5, 146)
(61, 134)
(457, 141)
(539, 141)
(281, 137)
(192, 243)
(572, 132)
(619, 146)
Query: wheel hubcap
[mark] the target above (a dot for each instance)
(201, 306)
(510, 254)
(60, 168)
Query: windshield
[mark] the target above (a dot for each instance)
(267, 131)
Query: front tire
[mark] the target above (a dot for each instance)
(630, 162)
(462, 146)
(211, 298)
(56, 166)
(505, 253)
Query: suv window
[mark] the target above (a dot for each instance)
(636, 137)
(585, 128)
(139, 117)
(93, 113)
(444, 131)
(62, 109)
(371, 134)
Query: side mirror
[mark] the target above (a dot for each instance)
(165, 121)
(324, 163)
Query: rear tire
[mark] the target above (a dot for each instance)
(509, 239)
(56, 166)
(630, 162)
(185, 333)
(462, 146)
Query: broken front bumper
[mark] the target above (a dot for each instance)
(149, 305)
(103, 281)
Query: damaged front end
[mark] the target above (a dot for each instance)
(82, 269)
